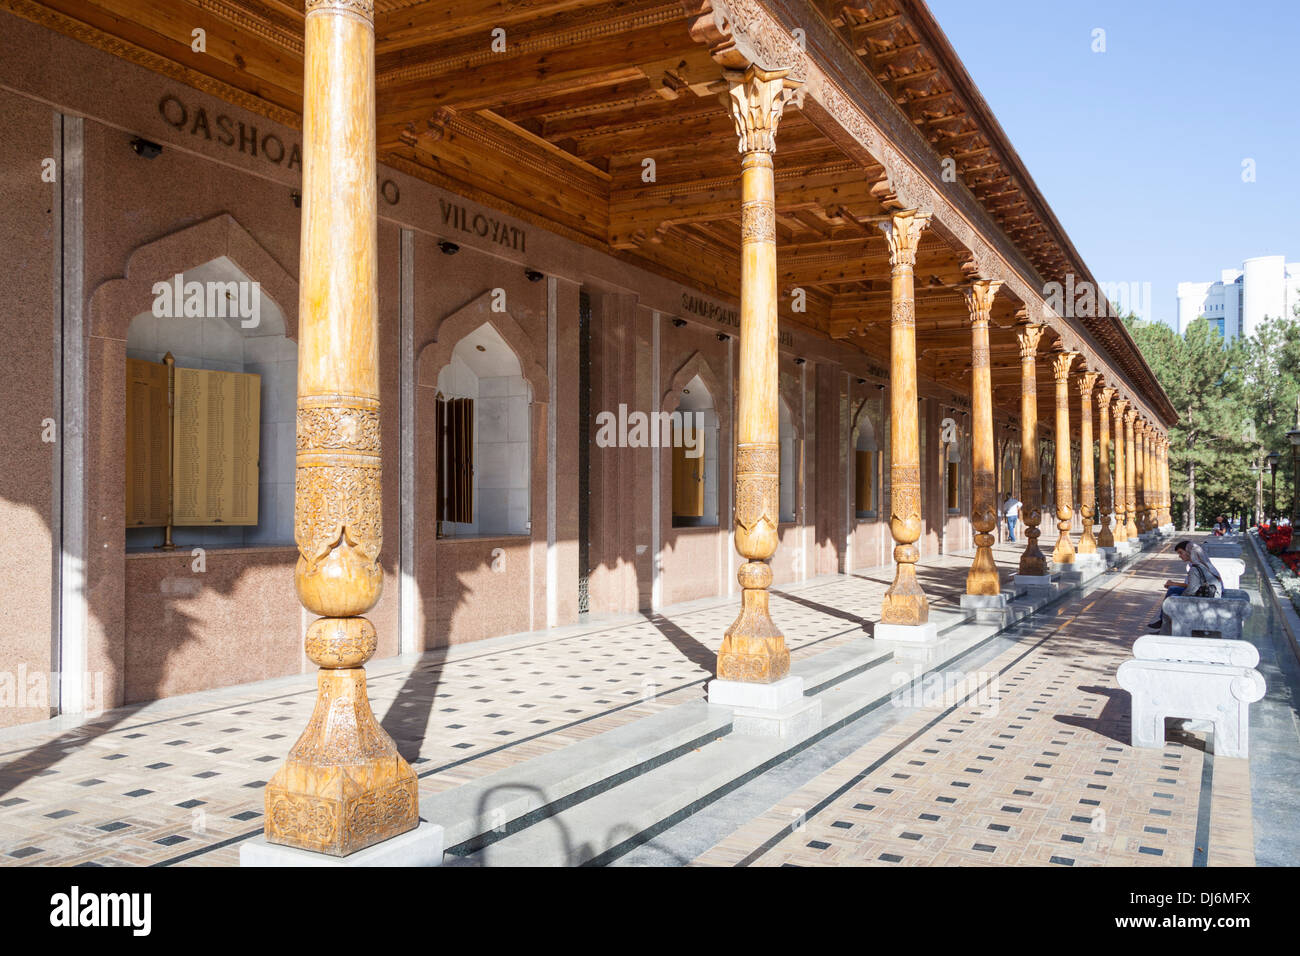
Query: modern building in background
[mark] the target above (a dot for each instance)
(1240, 301)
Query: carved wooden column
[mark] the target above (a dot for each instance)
(1130, 475)
(1121, 475)
(1166, 497)
(1153, 478)
(344, 786)
(1087, 495)
(1140, 475)
(982, 579)
(1105, 489)
(1061, 364)
(1032, 561)
(905, 603)
(753, 649)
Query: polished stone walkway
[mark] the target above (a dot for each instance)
(179, 782)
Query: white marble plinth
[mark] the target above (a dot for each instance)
(739, 693)
(779, 709)
(1032, 582)
(908, 633)
(419, 847)
(981, 602)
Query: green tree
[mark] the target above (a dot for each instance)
(1203, 379)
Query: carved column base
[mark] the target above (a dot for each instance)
(905, 602)
(1063, 553)
(982, 578)
(1032, 560)
(344, 786)
(753, 649)
(1104, 538)
(1087, 543)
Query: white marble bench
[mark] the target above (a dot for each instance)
(1224, 616)
(1230, 569)
(1195, 678)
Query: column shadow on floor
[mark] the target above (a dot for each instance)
(689, 647)
(868, 627)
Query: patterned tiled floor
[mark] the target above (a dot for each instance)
(179, 782)
(1032, 769)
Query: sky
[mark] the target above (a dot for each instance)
(1139, 149)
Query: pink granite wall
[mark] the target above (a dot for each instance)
(27, 367)
(229, 625)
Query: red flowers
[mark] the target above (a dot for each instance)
(1277, 540)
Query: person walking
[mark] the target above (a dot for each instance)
(1011, 508)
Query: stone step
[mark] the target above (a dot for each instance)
(603, 827)
(839, 663)
(599, 824)
(515, 797)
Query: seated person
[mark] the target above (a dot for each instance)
(1202, 579)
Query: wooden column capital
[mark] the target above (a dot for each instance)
(758, 99)
(1029, 335)
(361, 9)
(1086, 382)
(1062, 362)
(903, 233)
(979, 296)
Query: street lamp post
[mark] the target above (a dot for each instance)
(1273, 458)
(1259, 489)
(1294, 437)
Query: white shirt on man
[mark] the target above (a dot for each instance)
(1011, 508)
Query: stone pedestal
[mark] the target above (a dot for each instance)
(907, 633)
(1032, 582)
(779, 709)
(422, 846)
(984, 602)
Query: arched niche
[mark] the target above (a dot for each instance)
(695, 427)
(484, 378)
(120, 315)
(867, 465)
(230, 326)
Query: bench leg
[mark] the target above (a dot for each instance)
(1148, 726)
(1232, 732)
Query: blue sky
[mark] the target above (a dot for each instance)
(1139, 149)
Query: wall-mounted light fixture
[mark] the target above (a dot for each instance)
(862, 381)
(532, 275)
(679, 323)
(145, 148)
(295, 197)
(723, 336)
(447, 247)
(800, 361)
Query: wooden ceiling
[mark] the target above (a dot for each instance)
(564, 121)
